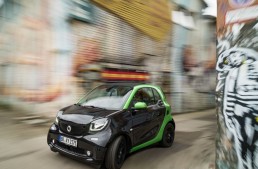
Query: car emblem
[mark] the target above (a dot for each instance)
(69, 128)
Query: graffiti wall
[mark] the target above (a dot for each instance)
(36, 55)
(52, 52)
(199, 74)
(237, 85)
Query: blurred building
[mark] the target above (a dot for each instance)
(193, 56)
(52, 52)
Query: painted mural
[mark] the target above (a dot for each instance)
(199, 74)
(237, 95)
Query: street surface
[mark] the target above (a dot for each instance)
(24, 146)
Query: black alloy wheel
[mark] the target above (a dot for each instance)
(168, 135)
(116, 153)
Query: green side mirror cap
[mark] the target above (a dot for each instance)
(140, 105)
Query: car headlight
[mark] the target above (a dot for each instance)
(98, 124)
(57, 116)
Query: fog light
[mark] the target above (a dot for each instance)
(88, 153)
(53, 141)
(53, 127)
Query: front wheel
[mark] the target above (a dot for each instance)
(116, 153)
(168, 135)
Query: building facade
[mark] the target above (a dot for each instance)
(52, 52)
(193, 57)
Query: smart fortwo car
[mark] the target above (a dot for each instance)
(111, 121)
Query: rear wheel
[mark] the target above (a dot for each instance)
(116, 153)
(168, 135)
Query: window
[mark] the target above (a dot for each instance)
(112, 97)
(156, 95)
(144, 95)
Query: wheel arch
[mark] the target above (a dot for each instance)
(173, 123)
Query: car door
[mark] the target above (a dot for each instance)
(144, 123)
(158, 110)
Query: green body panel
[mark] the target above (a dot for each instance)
(167, 118)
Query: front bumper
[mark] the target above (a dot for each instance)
(80, 152)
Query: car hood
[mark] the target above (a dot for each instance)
(83, 115)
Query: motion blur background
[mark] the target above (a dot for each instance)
(53, 52)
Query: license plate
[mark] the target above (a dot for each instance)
(68, 141)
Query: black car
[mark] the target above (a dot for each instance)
(112, 121)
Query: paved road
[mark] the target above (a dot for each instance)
(24, 147)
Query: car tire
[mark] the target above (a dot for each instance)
(116, 153)
(168, 135)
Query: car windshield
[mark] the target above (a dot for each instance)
(112, 97)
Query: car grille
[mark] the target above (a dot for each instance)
(76, 129)
(71, 149)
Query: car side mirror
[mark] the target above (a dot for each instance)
(140, 105)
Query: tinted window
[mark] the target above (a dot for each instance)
(144, 95)
(156, 95)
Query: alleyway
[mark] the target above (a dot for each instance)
(24, 146)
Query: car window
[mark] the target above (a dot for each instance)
(144, 95)
(156, 95)
(112, 97)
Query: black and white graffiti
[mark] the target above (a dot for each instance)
(237, 67)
